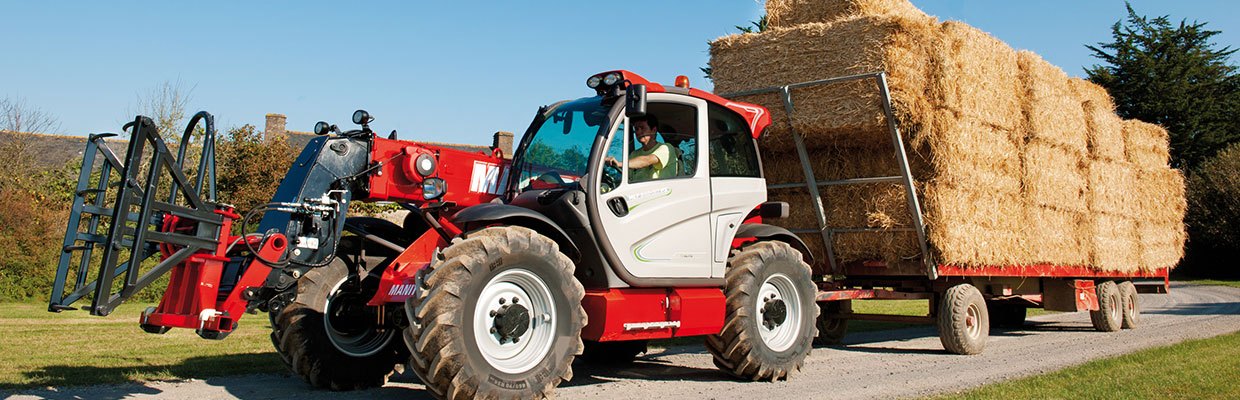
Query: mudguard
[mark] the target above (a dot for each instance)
(771, 232)
(487, 213)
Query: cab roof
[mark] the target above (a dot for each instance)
(755, 115)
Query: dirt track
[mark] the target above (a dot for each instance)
(900, 363)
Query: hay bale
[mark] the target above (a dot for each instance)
(1052, 111)
(1160, 195)
(828, 163)
(1161, 243)
(1054, 236)
(976, 75)
(975, 227)
(1055, 177)
(1114, 243)
(836, 114)
(872, 205)
(1146, 145)
(967, 152)
(1105, 132)
(1113, 188)
(789, 13)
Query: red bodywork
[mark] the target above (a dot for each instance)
(190, 300)
(660, 313)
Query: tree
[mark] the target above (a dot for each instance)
(1175, 76)
(166, 105)
(1214, 213)
(21, 121)
(250, 166)
(754, 27)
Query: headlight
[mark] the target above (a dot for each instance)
(594, 81)
(434, 188)
(611, 79)
(361, 117)
(322, 128)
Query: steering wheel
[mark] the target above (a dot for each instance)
(611, 178)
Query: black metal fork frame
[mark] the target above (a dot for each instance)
(135, 230)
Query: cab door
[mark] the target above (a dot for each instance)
(661, 228)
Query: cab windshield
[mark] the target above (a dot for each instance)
(557, 154)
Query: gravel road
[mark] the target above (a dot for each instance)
(886, 364)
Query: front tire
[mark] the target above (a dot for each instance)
(470, 339)
(769, 324)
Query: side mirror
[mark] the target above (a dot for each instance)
(635, 101)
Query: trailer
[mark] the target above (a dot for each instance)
(964, 301)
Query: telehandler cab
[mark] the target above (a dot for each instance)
(503, 272)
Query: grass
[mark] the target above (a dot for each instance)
(1235, 284)
(1197, 369)
(74, 348)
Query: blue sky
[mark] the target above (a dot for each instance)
(448, 71)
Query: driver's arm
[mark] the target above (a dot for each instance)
(658, 158)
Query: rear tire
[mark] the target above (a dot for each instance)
(1110, 314)
(831, 330)
(462, 336)
(770, 320)
(964, 324)
(1132, 310)
(325, 333)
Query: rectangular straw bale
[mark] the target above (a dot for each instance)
(967, 152)
(1162, 244)
(1113, 188)
(1146, 144)
(789, 13)
(829, 163)
(975, 227)
(1054, 236)
(1053, 112)
(1161, 195)
(876, 246)
(1114, 243)
(875, 205)
(837, 113)
(1106, 133)
(1055, 177)
(976, 75)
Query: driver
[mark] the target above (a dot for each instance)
(653, 160)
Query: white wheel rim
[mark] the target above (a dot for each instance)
(781, 336)
(514, 357)
(973, 321)
(1114, 310)
(363, 344)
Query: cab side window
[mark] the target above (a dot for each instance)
(733, 150)
(677, 136)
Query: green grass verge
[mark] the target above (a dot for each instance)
(1235, 284)
(1197, 369)
(73, 348)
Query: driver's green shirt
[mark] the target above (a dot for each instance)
(665, 168)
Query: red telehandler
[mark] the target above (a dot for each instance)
(503, 273)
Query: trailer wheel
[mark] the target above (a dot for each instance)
(831, 330)
(1110, 314)
(613, 352)
(963, 322)
(327, 333)
(1004, 315)
(1132, 313)
(769, 322)
(499, 316)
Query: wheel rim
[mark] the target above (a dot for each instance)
(514, 336)
(973, 321)
(778, 312)
(349, 325)
(1132, 307)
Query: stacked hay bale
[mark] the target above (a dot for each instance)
(1016, 162)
